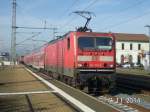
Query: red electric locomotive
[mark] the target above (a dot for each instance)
(79, 58)
(83, 59)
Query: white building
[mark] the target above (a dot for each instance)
(131, 48)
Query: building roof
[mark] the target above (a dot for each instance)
(131, 37)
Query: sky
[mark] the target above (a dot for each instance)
(122, 16)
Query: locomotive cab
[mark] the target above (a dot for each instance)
(96, 60)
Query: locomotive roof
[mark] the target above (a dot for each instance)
(60, 37)
(63, 36)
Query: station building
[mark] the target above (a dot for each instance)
(4, 56)
(132, 48)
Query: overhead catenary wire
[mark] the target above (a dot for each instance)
(29, 38)
(36, 28)
(34, 48)
(25, 27)
(37, 48)
(28, 32)
(24, 44)
(124, 9)
(91, 4)
(85, 8)
(39, 40)
(129, 7)
(69, 8)
(126, 21)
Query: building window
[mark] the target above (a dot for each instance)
(130, 46)
(68, 43)
(122, 46)
(139, 46)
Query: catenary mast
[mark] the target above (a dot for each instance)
(13, 33)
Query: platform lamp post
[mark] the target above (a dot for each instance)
(148, 26)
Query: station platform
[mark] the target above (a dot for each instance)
(22, 92)
(138, 72)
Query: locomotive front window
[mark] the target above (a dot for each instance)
(103, 43)
(86, 42)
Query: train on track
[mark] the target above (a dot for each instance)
(79, 58)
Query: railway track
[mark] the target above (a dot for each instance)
(109, 100)
(145, 92)
(72, 101)
(132, 84)
(135, 82)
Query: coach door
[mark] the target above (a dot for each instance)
(62, 57)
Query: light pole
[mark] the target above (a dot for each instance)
(148, 26)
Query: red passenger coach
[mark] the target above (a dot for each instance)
(83, 59)
(28, 59)
(35, 59)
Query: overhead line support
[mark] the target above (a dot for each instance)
(13, 34)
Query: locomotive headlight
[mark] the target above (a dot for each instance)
(111, 65)
(79, 65)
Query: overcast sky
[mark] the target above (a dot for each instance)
(124, 16)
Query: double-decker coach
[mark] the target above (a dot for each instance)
(36, 58)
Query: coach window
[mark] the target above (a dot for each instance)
(68, 43)
(122, 46)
